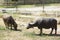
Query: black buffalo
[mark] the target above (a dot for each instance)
(44, 23)
(9, 22)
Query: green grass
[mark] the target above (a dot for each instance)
(1, 6)
(53, 4)
(32, 5)
(25, 35)
(24, 6)
(37, 5)
(29, 34)
(2, 28)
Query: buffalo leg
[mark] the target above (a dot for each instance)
(41, 31)
(15, 28)
(51, 31)
(56, 30)
(11, 26)
(8, 26)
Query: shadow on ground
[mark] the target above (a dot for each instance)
(17, 30)
(47, 35)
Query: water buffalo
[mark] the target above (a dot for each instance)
(44, 23)
(9, 22)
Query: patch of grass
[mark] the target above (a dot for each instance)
(34, 36)
(31, 5)
(24, 6)
(37, 5)
(31, 35)
(2, 28)
(1, 6)
(53, 4)
(15, 15)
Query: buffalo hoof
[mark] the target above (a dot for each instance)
(55, 33)
(40, 34)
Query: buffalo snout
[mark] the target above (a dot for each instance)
(27, 27)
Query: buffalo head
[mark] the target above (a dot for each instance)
(15, 26)
(30, 25)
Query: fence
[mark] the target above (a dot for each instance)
(33, 11)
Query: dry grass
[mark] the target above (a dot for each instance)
(26, 34)
(30, 34)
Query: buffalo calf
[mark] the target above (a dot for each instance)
(9, 22)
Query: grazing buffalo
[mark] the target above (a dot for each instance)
(9, 22)
(44, 23)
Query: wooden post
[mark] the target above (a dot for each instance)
(43, 5)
